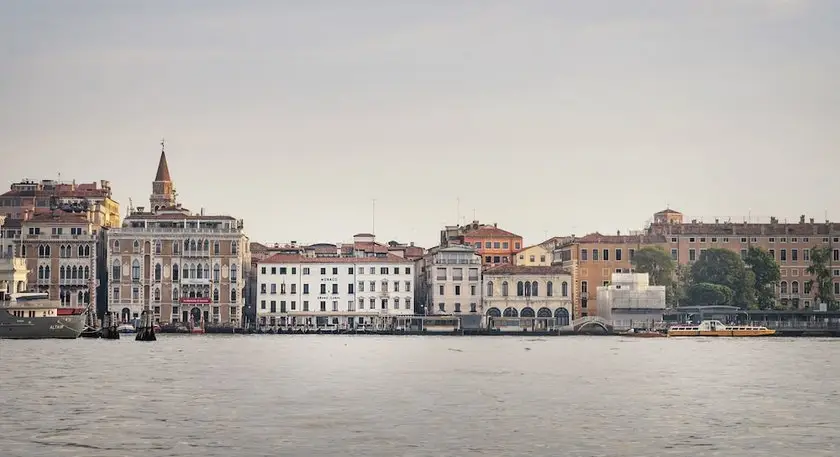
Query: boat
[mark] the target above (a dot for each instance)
(31, 315)
(717, 328)
(644, 333)
(126, 328)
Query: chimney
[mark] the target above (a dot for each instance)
(495, 225)
(812, 220)
(802, 219)
(618, 233)
(411, 244)
(202, 211)
(717, 221)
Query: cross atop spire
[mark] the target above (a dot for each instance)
(163, 167)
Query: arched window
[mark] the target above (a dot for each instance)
(549, 289)
(233, 273)
(74, 273)
(192, 271)
(206, 271)
(87, 250)
(136, 246)
(157, 294)
(216, 273)
(186, 245)
(157, 247)
(192, 245)
(527, 288)
(175, 295)
(784, 287)
(115, 270)
(116, 246)
(505, 290)
(47, 272)
(80, 297)
(175, 272)
(216, 249)
(234, 247)
(794, 287)
(81, 251)
(87, 273)
(520, 289)
(215, 295)
(61, 252)
(135, 270)
(158, 272)
(233, 295)
(41, 271)
(61, 272)
(47, 251)
(535, 289)
(206, 245)
(490, 289)
(564, 289)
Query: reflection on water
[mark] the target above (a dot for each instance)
(275, 395)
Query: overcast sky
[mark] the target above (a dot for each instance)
(549, 117)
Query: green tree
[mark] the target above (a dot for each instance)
(725, 268)
(767, 276)
(704, 293)
(682, 284)
(819, 268)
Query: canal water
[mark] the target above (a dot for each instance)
(272, 395)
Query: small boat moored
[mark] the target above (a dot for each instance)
(717, 328)
(644, 333)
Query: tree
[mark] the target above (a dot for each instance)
(682, 284)
(704, 293)
(767, 275)
(657, 263)
(725, 268)
(819, 268)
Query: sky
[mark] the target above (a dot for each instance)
(547, 117)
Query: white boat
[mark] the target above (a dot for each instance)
(717, 328)
(126, 328)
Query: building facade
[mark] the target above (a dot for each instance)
(494, 245)
(512, 291)
(60, 248)
(630, 298)
(298, 291)
(13, 275)
(33, 197)
(789, 243)
(182, 267)
(449, 282)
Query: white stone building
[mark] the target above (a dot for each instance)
(297, 291)
(450, 281)
(544, 292)
(630, 297)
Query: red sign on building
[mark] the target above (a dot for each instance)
(195, 301)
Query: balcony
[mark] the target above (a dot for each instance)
(176, 230)
(196, 281)
(63, 237)
(74, 282)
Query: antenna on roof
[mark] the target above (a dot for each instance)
(458, 214)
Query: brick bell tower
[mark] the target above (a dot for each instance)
(163, 193)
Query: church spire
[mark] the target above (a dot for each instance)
(163, 167)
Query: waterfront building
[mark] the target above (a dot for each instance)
(184, 267)
(13, 275)
(629, 297)
(449, 282)
(540, 255)
(60, 248)
(494, 245)
(593, 259)
(512, 291)
(33, 197)
(301, 291)
(789, 243)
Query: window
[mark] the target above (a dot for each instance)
(349, 288)
(323, 289)
(564, 288)
(175, 272)
(617, 255)
(116, 293)
(584, 255)
(335, 289)
(692, 255)
(442, 307)
(496, 245)
(372, 285)
(457, 290)
(632, 254)
(335, 305)
(794, 287)
(505, 245)
(323, 271)
(520, 289)
(441, 273)
(691, 240)
(783, 255)
(115, 270)
(234, 247)
(549, 289)
(517, 245)
(158, 272)
(743, 253)
(135, 270)
(594, 254)
(135, 293)
(584, 287)
(175, 296)
(441, 289)
(305, 271)
(606, 255)
(234, 273)
(233, 295)
(274, 289)
(335, 270)
(806, 254)
(674, 254)
(488, 245)
(216, 295)
(408, 286)
(306, 305)
(396, 286)
(794, 255)
(457, 307)
(533, 258)
(535, 289)
(472, 290)
(702, 240)
(489, 288)
(837, 288)
(783, 287)
(505, 289)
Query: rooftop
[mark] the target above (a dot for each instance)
(294, 258)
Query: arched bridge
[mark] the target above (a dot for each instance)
(589, 323)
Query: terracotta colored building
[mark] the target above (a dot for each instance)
(31, 197)
(494, 245)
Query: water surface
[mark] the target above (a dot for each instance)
(307, 395)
